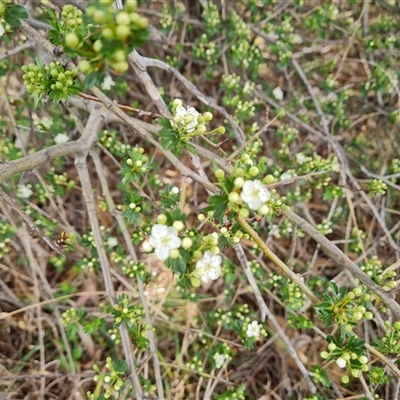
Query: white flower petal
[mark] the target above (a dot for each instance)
(162, 252)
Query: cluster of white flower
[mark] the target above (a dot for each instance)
(220, 359)
(253, 330)
(185, 117)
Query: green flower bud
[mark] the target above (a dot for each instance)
(119, 55)
(239, 172)
(254, 171)
(122, 32)
(207, 116)
(162, 219)
(174, 253)
(187, 243)
(120, 67)
(332, 346)
(178, 225)
(72, 40)
(99, 16)
(107, 33)
(345, 379)
(263, 210)
(201, 129)
(234, 197)
(97, 45)
(176, 103)
(220, 130)
(220, 174)
(238, 182)
(131, 5)
(363, 359)
(244, 212)
(324, 355)
(195, 282)
(187, 119)
(139, 21)
(85, 66)
(268, 180)
(122, 18)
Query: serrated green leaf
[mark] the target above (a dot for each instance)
(164, 122)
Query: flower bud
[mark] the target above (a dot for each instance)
(263, 210)
(220, 174)
(122, 31)
(238, 182)
(234, 197)
(254, 171)
(244, 212)
(176, 103)
(72, 40)
(178, 225)
(187, 243)
(207, 116)
(341, 362)
(147, 247)
(162, 219)
(187, 119)
(122, 18)
(332, 346)
(107, 33)
(97, 45)
(174, 253)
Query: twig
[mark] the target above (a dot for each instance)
(92, 128)
(342, 259)
(276, 260)
(29, 221)
(250, 277)
(150, 62)
(16, 50)
(132, 253)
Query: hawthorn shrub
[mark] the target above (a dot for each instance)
(199, 200)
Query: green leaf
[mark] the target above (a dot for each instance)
(165, 122)
(220, 210)
(94, 78)
(14, 13)
(218, 199)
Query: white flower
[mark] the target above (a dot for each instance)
(341, 362)
(209, 266)
(301, 158)
(278, 94)
(182, 112)
(112, 242)
(286, 175)
(1, 29)
(253, 330)
(61, 138)
(164, 238)
(254, 193)
(175, 190)
(108, 83)
(220, 359)
(25, 192)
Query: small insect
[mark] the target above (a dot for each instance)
(65, 239)
(62, 239)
